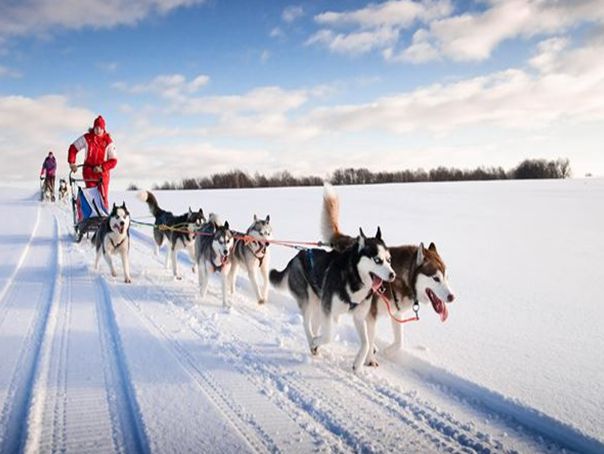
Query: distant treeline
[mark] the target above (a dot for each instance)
(528, 169)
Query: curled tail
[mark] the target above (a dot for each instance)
(147, 196)
(330, 215)
(330, 223)
(276, 277)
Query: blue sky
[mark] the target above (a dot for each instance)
(190, 88)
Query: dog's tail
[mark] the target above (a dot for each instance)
(330, 216)
(147, 196)
(277, 278)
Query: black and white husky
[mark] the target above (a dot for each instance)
(421, 276)
(180, 233)
(213, 248)
(63, 191)
(328, 284)
(113, 237)
(253, 255)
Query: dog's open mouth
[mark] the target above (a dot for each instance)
(120, 229)
(439, 307)
(376, 281)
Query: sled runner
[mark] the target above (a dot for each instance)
(87, 205)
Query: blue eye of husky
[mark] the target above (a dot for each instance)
(378, 260)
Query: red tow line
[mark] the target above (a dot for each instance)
(379, 289)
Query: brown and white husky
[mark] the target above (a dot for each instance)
(421, 275)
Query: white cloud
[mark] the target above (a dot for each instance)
(462, 37)
(292, 13)
(108, 67)
(32, 126)
(401, 13)
(355, 43)
(276, 33)
(265, 55)
(7, 72)
(170, 86)
(567, 88)
(35, 17)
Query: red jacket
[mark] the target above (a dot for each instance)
(99, 151)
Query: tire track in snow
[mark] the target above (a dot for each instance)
(31, 320)
(250, 425)
(80, 400)
(19, 264)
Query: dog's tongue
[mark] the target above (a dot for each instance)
(444, 313)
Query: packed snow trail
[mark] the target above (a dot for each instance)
(90, 364)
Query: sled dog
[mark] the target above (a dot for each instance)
(213, 247)
(421, 275)
(328, 284)
(113, 237)
(253, 255)
(63, 191)
(180, 231)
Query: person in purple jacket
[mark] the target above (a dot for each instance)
(49, 167)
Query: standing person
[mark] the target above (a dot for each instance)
(49, 167)
(100, 156)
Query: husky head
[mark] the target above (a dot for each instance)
(223, 241)
(261, 227)
(374, 258)
(119, 219)
(195, 219)
(431, 285)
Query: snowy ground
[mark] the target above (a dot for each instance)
(89, 364)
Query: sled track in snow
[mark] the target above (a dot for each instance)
(19, 264)
(252, 430)
(13, 419)
(88, 407)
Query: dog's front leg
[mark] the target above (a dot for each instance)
(191, 250)
(371, 361)
(326, 332)
(397, 344)
(264, 270)
(126, 265)
(224, 278)
(361, 326)
(202, 274)
(174, 262)
(233, 277)
(110, 263)
(98, 258)
(251, 273)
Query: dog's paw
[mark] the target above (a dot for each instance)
(128, 280)
(372, 363)
(262, 301)
(114, 274)
(393, 350)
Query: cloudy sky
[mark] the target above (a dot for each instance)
(194, 87)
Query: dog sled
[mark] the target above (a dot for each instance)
(87, 205)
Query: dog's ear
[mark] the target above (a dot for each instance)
(255, 218)
(268, 218)
(226, 225)
(361, 239)
(432, 247)
(420, 254)
(201, 213)
(378, 234)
